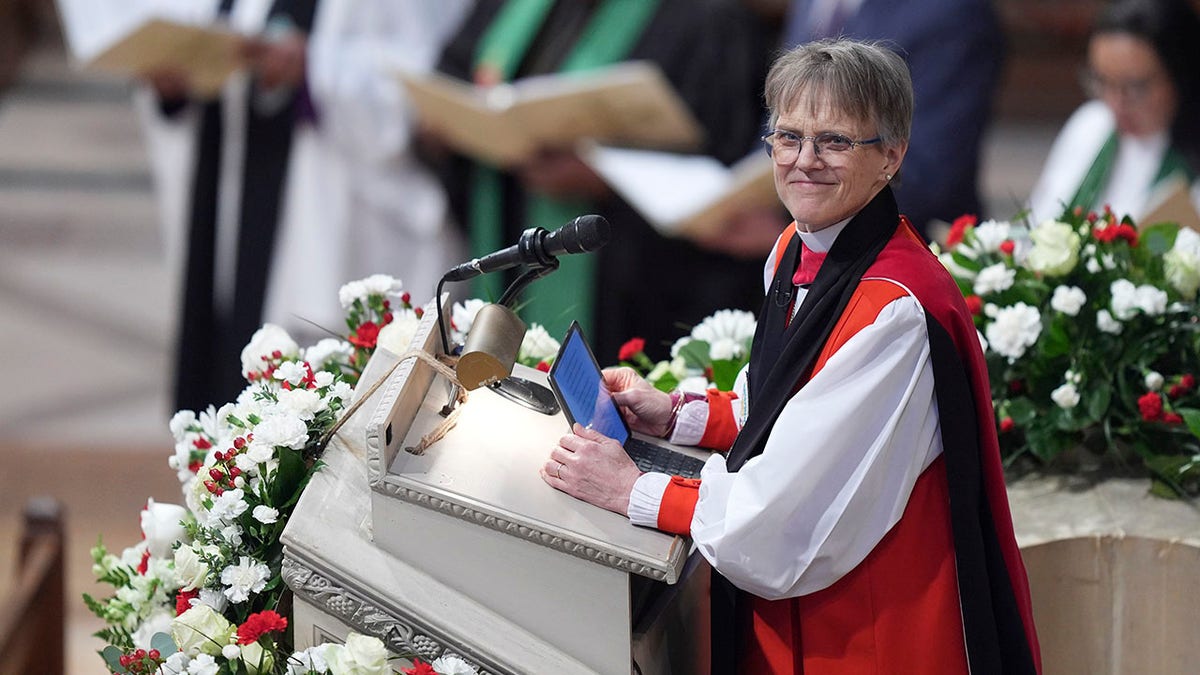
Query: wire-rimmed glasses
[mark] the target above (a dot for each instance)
(784, 146)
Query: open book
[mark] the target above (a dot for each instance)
(683, 194)
(629, 104)
(135, 37)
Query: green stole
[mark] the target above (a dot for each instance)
(608, 37)
(1097, 176)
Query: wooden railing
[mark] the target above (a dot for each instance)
(32, 626)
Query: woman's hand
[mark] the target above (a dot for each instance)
(278, 61)
(593, 467)
(561, 174)
(645, 408)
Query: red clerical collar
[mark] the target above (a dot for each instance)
(810, 262)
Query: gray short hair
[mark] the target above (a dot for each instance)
(865, 80)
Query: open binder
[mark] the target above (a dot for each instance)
(628, 104)
(680, 194)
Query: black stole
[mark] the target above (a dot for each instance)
(208, 369)
(782, 355)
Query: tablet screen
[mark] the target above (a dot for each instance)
(576, 379)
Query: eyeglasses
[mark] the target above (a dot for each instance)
(1128, 90)
(785, 146)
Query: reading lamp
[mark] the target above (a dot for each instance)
(488, 356)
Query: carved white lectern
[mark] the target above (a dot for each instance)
(465, 550)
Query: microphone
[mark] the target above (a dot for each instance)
(538, 248)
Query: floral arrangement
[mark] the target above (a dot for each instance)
(1090, 331)
(202, 593)
(711, 356)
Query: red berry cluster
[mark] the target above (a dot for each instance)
(141, 661)
(225, 472)
(1185, 385)
(272, 363)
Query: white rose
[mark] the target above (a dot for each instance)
(1055, 248)
(1014, 330)
(361, 655)
(1066, 396)
(1182, 263)
(257, 659)
(993, 279)
(1068, 300)
(192, 571)
(1153, 381)
(265, 342)
(201, 630)
(397, 336)
(162, 527)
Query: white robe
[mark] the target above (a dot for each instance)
(371, 207)
(1130, 189)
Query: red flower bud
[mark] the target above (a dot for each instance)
(211, 486)
(631, 349)
(1188, 381)
(1078, 211)
(543, 366)
(234, 472)
(1007, 246)
(405, 297)
(139, 654)
(1006, 425)
(239, 442)
(153, 654)
(277, 354)
(1173, 418)
(974, 304)
(216, 474)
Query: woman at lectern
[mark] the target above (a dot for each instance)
(1136, 144)
(855, 515)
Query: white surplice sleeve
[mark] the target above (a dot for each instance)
(837, 469)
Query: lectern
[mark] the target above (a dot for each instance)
(463, 549)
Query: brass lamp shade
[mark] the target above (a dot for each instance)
(492, 346)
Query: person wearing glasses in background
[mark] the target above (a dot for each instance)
(1138, 140)
(855, 512)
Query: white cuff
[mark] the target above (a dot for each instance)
(689, 425)
(646, 498)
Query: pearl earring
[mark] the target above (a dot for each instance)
(888, 176)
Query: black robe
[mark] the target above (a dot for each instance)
(648, 286)
(210, 342)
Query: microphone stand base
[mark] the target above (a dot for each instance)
(526, 393)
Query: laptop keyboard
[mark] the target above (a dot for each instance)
(651, 457)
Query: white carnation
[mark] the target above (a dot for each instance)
(1066, 396)
(246, 577)
(284, 430)
(264, 343)
(328, 350)
(265, 514)
(229, 505)
(734, 324)
(347, 294)
(181, 423)
(1151, 300)
(305, 404)
(993, 279)
(397, 336)
(1124, 299)
(1013, 330)
(725, 349)
(537, 345)
(462, 316)
(1107, 324)
(1068, 300)
(292, 372)
(1153, 381)
(453, 665)
(990, 234)
(382, 284)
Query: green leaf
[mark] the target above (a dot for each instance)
(1191, 417)
(1055, 341)
(1098, 400)
(725, 372)
(164, 644)
(289, 475)
(1021, 410)
(695, 354)
(667, 382)
(112, 659)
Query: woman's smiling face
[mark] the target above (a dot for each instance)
(822, 190)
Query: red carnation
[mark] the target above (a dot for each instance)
(144, 564)
(183, 600)
(543, 366)
(1173, 418)
(1188, 382)
(419, 668)
(1128, 233)
(256, 625)
(1151, 406)
(1177, 390)
(1007, 247)
(631, 349)
(958, 229)
(1006, 425)
(975, 304)
(366, 336)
